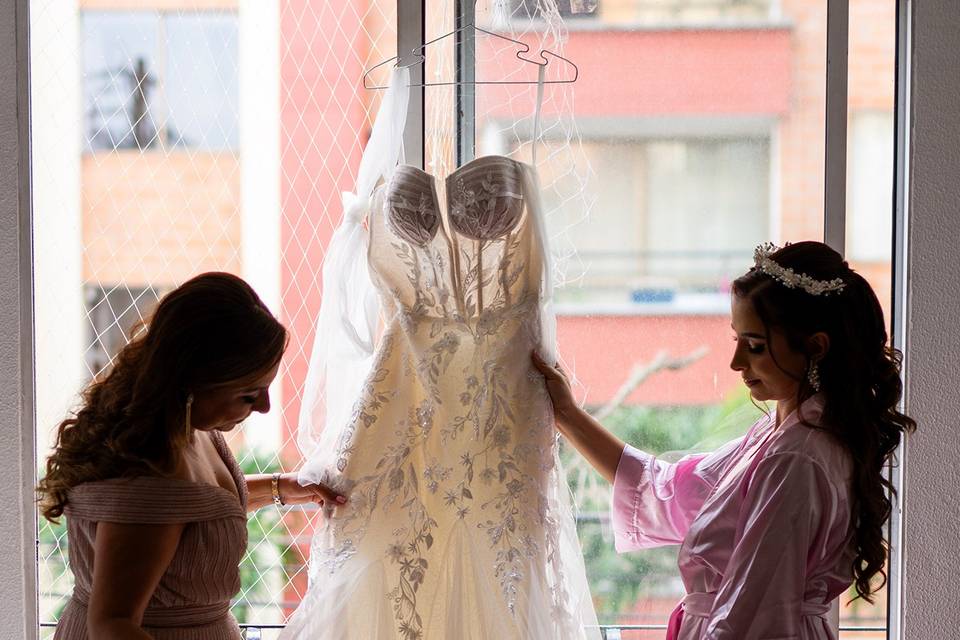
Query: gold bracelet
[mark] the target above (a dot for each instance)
(275, 489)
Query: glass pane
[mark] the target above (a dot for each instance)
(694, 132)
(121, 60)
(674, 153)
(439, 135)
(870, 153)
(202, 81)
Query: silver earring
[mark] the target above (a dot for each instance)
(187, 417)
(813, 376)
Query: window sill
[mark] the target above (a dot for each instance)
(595, 24)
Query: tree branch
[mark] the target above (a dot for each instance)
(642, 371)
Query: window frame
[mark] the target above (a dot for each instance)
(410, 33)
(898, 308)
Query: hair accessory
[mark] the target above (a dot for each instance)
(813, 376)
(790, 278)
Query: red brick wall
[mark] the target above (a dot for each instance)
(604, 348)
(323, 126)
(602, 351)
(673, 73)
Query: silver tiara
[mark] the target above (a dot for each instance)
(790, 278)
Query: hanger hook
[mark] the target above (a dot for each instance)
(419, 54)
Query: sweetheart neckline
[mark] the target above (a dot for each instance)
(462, 167)
(443, 210)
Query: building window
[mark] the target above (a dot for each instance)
(656, 11)
(870, 188)
(566, 8)
(160, 80)
(687, 213)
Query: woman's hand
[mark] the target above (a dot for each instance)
(292, 492)
(601, 448)
(558, 386)
(260, 492)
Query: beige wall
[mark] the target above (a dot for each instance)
(931, 501)
(159, 217)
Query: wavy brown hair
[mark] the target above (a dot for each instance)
(210, 332)
(859, 378)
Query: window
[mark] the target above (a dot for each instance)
(673, 221)
(565, 8)
(654, 11)
(870, 185)
(676, 151)
(160, 80)
(144, 180)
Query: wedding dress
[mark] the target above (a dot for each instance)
(458, 524)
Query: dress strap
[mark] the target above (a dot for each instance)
(385, 146)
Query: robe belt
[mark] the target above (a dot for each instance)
(701, 605)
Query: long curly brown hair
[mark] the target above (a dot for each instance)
(210, 332)
(859, 379)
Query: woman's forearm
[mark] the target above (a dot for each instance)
(601, 448)
(259, 491)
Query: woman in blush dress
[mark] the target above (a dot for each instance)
(777, 524)
(155, 501)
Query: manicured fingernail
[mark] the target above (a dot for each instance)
(341, 499)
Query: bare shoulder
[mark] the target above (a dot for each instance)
(194, 464)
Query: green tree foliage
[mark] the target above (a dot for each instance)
(268, 548)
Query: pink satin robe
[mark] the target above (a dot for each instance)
(764, 525)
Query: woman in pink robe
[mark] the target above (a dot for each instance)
(777, 524)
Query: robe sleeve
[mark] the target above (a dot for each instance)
(778, 533)
(654, 501)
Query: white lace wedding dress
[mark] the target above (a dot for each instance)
(458, 524)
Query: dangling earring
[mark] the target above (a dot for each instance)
(187, 417)
(813, 376)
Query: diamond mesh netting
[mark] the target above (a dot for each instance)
(178, 137)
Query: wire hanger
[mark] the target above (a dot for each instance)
(420, 58)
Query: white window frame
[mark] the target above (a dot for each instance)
(19, 606)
